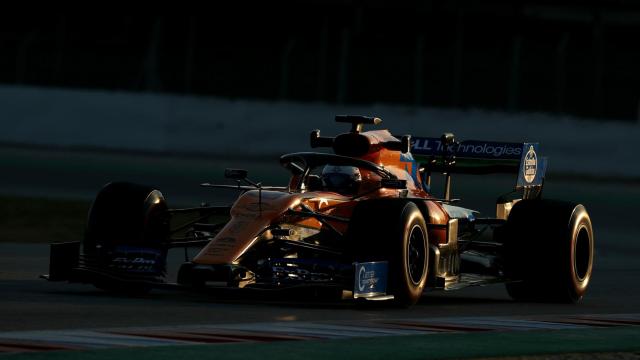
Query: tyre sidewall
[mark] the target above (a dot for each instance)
(379, 231)
(401, 284)
(580, 222)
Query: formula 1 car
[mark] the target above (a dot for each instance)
(361, 220)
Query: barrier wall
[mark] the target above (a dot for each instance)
(169, 123)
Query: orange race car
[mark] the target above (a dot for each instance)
(361, 221)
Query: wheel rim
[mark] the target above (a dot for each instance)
(416, 254)
(582, 254)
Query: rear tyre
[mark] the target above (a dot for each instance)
(549, 251)
(126, 236)
(393, 230)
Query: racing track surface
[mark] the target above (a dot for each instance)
(27, 303)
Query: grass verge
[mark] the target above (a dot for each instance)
(39, 220)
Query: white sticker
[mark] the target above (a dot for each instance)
(530, 165)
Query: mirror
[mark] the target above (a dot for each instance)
(448, 139)
(406, 144)
(320, 141)
(393, 184)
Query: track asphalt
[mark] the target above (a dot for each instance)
(28, 304)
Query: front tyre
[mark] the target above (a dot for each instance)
(393, 230)
(126, 236)
(409, 284)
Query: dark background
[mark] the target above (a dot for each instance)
(579, 58)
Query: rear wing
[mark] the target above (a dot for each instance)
(445, 155)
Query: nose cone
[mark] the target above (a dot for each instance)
(260, 204)
(252, 213)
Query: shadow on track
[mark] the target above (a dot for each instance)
(305, 299)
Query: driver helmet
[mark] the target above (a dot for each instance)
(341, 179)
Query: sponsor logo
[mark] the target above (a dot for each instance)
(226, 240)
(221, 245)
(366, 279)
(247, 215)
(530, 165)
(468, 148)
(370, 279)
(137, 264)
(237, 227)
(410, 166)
(125, 260)
(293, 273)
(322, 202)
